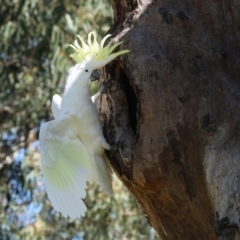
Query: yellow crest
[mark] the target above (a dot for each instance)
(94, 49)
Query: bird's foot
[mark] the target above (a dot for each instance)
(104, 86)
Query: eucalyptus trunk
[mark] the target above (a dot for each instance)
(173, 110)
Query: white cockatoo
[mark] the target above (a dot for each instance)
(72, 145)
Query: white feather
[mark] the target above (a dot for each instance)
(72, 146)
(56, 105)
(66, 167)
(104, 174)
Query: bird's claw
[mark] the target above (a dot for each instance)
(104, 86)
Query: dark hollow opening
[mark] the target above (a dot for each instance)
(131, 100)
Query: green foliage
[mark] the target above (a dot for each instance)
(34, 59)
(34, 53)
(29, 214)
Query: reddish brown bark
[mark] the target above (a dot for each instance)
(173, 107)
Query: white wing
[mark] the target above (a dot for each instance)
(56, 105)
(66, 165)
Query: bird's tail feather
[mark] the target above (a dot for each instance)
(104, 174)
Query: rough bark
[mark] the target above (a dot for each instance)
(173, 108)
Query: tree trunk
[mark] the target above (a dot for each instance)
(173, 110)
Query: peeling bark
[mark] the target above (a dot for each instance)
(173, 108)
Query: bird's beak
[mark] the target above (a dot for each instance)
(95, 75)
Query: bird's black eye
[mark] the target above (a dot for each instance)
(86, 70)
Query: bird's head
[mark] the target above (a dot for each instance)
(95, 55)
